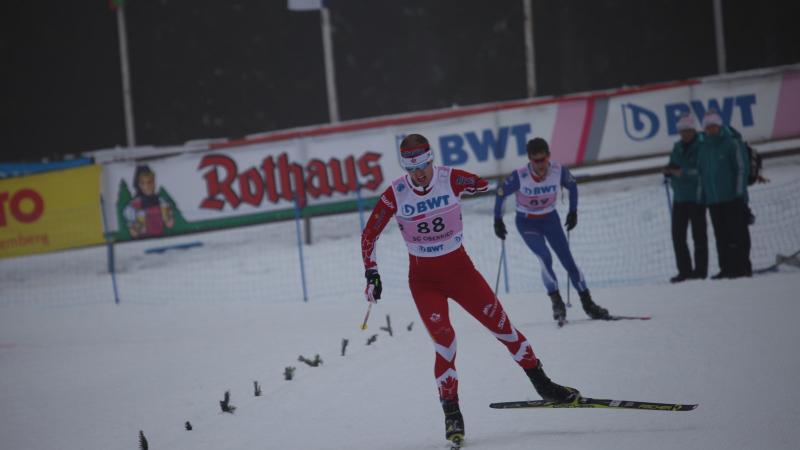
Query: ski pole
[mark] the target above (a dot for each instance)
(569, 304)
(366, 317)
(499, 266)
(669, 200)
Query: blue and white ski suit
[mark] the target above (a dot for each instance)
(537, 219)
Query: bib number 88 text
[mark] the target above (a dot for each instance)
(424, 227)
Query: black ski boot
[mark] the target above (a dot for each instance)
(550, 391)
(453, 422)
(559, 309)
(592, 309)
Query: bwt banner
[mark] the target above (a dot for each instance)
(261, 178)
(48, 212)
(625, 123)
(642, 123)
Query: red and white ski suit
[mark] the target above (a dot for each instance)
(439, 267)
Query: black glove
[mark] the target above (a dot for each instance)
(748, 214)
(500, 229)
(374, 286)
(572, 220)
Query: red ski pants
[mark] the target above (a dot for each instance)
(432, 282)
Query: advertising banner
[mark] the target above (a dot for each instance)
(788, 109)
(644, 123)
(52, 211)
(259, 182)
(325, 169)
(8, 170)
(231, 187)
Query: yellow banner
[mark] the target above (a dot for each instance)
(51, 211)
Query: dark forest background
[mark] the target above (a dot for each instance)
(236, 67)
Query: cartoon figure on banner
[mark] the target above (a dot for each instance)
(148, 213)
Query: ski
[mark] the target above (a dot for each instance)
(792, 260)
(771, 269)
(561, 323)
(630, 317)
(588, 402)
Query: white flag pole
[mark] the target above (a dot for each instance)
(719, 34)
(126, 77)
(530, 60)
(330, 72)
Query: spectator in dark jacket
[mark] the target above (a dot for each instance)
(735, 135)
(723, 178)
(688, 206)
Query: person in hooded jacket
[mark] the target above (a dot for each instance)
(723, 173)
(688, 206)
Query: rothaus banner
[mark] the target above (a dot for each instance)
(222, 188)
(325, 169)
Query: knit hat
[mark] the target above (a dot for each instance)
(712, 118)
(686, 122)
(416, 157)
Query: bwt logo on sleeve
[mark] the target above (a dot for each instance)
(641, 124)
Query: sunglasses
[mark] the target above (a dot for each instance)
(539, 160)
(423, 166)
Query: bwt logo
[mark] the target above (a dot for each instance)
(539, 190)
(455, 147)
(431, 249)
(642, 124)
(427, 205)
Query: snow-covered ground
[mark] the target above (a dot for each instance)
(78, 372)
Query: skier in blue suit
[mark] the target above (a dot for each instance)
(537, 186)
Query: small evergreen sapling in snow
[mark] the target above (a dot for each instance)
(288, 373)
(257, 389)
